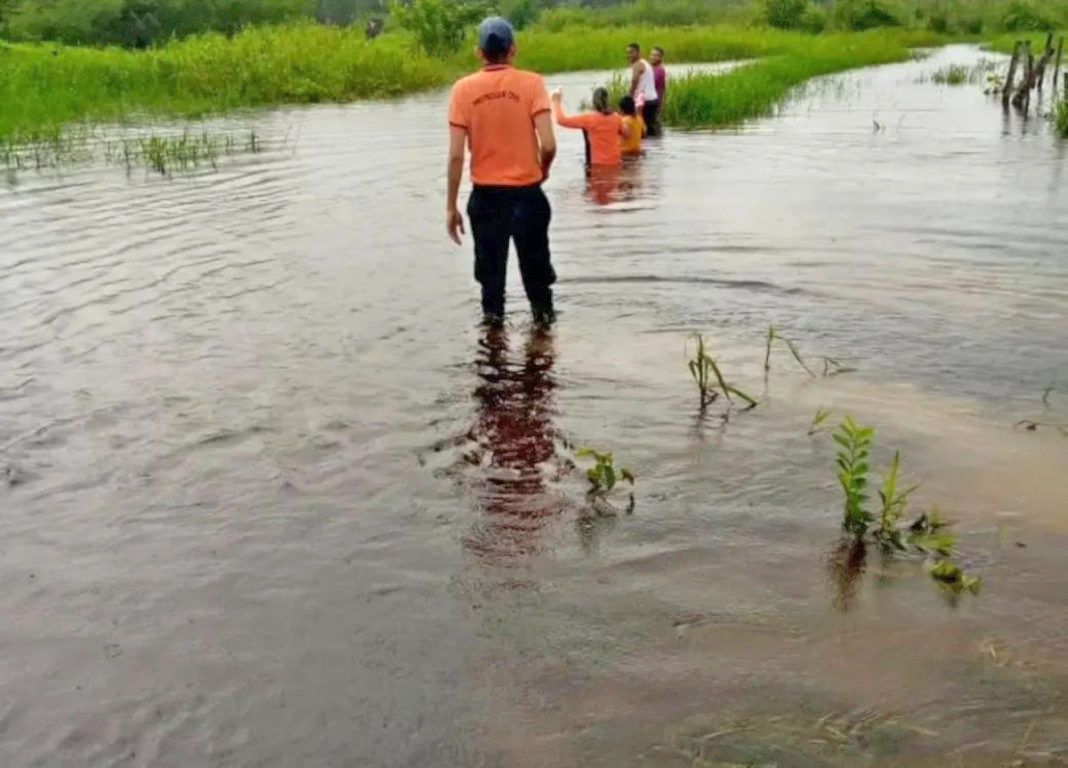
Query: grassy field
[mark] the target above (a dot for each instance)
(754, 90)
(45, 87)
(50, 90)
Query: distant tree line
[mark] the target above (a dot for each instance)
(440, 25)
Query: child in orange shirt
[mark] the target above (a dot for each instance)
(601, 128)
(632, 121)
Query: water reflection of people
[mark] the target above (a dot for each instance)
(516, 445)
(605, 186)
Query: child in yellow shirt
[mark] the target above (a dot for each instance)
(631, 144)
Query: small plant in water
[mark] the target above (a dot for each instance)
(950, 575)
(603, 477)
(928, 535)
(822, 414)
(893, 503)
(855, 442)
(772, 336)
(955, 74)
(709, 379)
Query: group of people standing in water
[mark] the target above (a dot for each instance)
(503, 117)
(612, 134)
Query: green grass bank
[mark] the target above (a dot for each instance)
(46, 89)
(754, 90)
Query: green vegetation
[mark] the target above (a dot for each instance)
(659, 13)
(439, 26)
(855, 442)
(163, 154)
(756, 90)
(709, 379)
(821, 415)
(773, 335)
(1060, 117)
(603, 477)
(785, 14)
(48, 89)
(43, 88)
(928, 535)
(982, 73)
(140, 23)
(831, 366)
(954, 74)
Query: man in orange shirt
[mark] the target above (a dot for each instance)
(503, 115)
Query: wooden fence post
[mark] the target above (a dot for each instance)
(1011, 78)
(1057, 68)
(1047, 54)
(1024, 91)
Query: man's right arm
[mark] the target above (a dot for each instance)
(454, 221)
(635, 77)
(543, 126)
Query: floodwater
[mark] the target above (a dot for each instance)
(268, 496)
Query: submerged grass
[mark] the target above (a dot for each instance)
(45, 88)
(162, 153)
(1060, 117)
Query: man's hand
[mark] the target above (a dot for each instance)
(454, 225)
(557, 95)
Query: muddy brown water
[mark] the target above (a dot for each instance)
(270, 498)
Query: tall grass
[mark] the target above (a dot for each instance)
(44, 87)
(788, 60)
(604, 47)
(663, 13)
(958, 17)
(1060, 117)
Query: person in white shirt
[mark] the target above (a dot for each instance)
(643, 89)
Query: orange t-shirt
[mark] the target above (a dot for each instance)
(602, 131)
(497, 106)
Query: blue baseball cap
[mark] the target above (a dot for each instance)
(495, 35)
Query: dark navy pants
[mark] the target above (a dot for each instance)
(521, 214)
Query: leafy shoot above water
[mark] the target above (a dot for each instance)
(855, 443)
(822, 414)
(950, 576)
(774, 335)
(928, 535)
(709, 378)
(603, 475)
(893, 503)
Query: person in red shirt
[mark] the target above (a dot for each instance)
(602, 129)
(502, 115)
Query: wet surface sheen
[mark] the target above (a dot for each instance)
(269, 498)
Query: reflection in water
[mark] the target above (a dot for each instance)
(846, 564)
(516, 445)
(607, 185)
